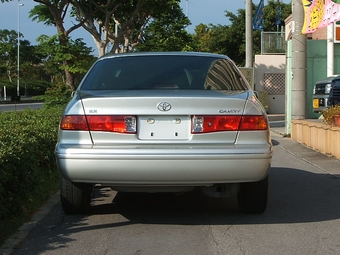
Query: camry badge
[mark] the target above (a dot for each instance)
(164, 106)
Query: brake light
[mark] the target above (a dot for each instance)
(250, 122)
(106, 123)
(207, 124)
(73, 122)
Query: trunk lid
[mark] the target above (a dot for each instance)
(163, 116)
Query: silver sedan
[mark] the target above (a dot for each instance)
(164, 122)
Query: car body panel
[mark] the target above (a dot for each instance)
(156, 165)
(196, 104)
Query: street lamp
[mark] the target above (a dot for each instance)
(187, 13)
(18, 60)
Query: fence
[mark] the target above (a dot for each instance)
(273, 43)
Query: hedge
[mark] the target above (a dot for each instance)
(28, 171)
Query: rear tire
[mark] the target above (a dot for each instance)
(252, 197)
(75, 197)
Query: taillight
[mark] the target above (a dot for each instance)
(120, 124)
(73, 122)
(106, 123)
(250, 122)
(207, 124)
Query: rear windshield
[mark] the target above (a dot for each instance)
(164, 72)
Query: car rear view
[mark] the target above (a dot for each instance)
(164, 122)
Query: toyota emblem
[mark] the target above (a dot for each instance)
(164, 106)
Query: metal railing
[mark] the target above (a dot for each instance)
(273, 43)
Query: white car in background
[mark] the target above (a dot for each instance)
(164, 122)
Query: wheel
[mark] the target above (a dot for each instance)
(75, 197)
(252, 197)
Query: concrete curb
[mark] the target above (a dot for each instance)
(14, 240)
(20, 102)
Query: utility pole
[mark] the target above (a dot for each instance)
(249, 34)
(187, 13)
(18, 53)
(330, 49)
(299, 63)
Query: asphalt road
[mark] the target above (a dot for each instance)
(302, 217)
(19, 107)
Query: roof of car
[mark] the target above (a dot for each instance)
(328, 79)
(337, 77)
(167, 53)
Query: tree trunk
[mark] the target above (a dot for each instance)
(69, 80)
(100, 46)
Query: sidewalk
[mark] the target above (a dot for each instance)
(322, 161)
(277, 123)
(280, 138)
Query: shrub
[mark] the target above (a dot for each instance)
(28, 173)
(329, 113)
(57, 95)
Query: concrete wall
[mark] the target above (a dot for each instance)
(275, 64)
(317, 135)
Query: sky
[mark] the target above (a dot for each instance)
(198, 11)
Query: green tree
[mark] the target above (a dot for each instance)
(119, 26)
(8, 53)
(236, 31)
(29, 61)
(202, 36)
(54, 12)
(99, 17)
(77, 55)
(167, 32)
(230, 39)
(234, 45)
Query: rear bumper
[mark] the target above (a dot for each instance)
(163, 167)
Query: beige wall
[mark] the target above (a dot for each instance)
(267, 64)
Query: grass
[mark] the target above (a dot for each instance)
(10, 226)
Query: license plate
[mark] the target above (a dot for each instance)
(164, 127)
(316, 103)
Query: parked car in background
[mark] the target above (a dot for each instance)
(165, 122)
(321, 93)
(334, 95)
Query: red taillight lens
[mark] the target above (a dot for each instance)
(207, 124)
(106, 123)
(73, 122)
(254, 123)
(120, 124)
